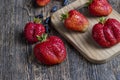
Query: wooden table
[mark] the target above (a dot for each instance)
(16, 57)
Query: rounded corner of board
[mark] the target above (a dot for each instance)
(101, 60)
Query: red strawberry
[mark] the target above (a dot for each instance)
(99, 7)
(42, 2)
(107, 33)
(74, 20)
(51, 51)
(32, 30)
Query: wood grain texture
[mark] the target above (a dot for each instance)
(83, 42)
(18, 63)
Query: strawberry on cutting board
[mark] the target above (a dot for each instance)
(50, 51)
(32, 30)
(99, 7)
(107, 32)
(75, 21)
(42, 2)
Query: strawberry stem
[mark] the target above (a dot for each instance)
(64, 16)
(102, 20)
(37, 20)
(88, 3)
(42, 38)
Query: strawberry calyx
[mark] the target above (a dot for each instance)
(37, 20)
(88, 3)
(64, 16)
(42, 38)
(102, 20)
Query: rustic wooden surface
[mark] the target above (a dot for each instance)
(18, 63)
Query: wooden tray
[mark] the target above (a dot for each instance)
(83, 42)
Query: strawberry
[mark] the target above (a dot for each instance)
(74, 20)
(32, 30)
(42, 2)
(99, 7)
(50, 51)
(107, 32)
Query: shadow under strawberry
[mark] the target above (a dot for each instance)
(85, 12)
(90, 41)
(20, 38)
(34, 4)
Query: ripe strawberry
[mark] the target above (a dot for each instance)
(99, 7)
(51, 51)
(32, 30)
(74, 20)
(107, 33)
(42, 2)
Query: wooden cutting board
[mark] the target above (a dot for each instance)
(83, 42)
